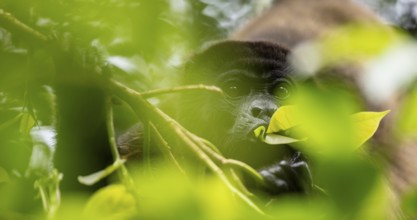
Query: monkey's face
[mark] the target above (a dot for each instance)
(250, 98)
(255, 79)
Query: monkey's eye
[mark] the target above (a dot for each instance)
(282, 90)
(234, 88)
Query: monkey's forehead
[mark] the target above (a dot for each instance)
(230, 50)
(229, 55)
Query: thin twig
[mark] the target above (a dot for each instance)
(122, 170)
(212, 151)
(9, 21)
(166, 149)
(110, 130)
(146, 154)
(239, 183)
(216, 169)
(181, 89)
(215, 154)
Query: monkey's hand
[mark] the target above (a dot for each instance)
(288, 176)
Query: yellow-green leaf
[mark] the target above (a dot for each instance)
(365, 124)
(284, 118)
(111, 202)
(259, 132)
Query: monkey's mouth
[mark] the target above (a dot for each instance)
(250, 135)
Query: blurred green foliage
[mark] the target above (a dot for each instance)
(43, 91)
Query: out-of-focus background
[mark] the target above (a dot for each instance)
(53, 110)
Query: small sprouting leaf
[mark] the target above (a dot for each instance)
(366, 124)
(260, 132)
(284, 118)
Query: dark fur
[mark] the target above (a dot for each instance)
(229, 122)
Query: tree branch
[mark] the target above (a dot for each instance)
(181, 89)
(11, 23)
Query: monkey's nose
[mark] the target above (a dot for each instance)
(256, 111)
(262, 110)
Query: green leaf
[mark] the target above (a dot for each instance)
(284, 118)
(4, 177)
(26, 123)
(111, 202)
(365, 124)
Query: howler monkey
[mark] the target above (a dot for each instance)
(254, 72)
(256, 79)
